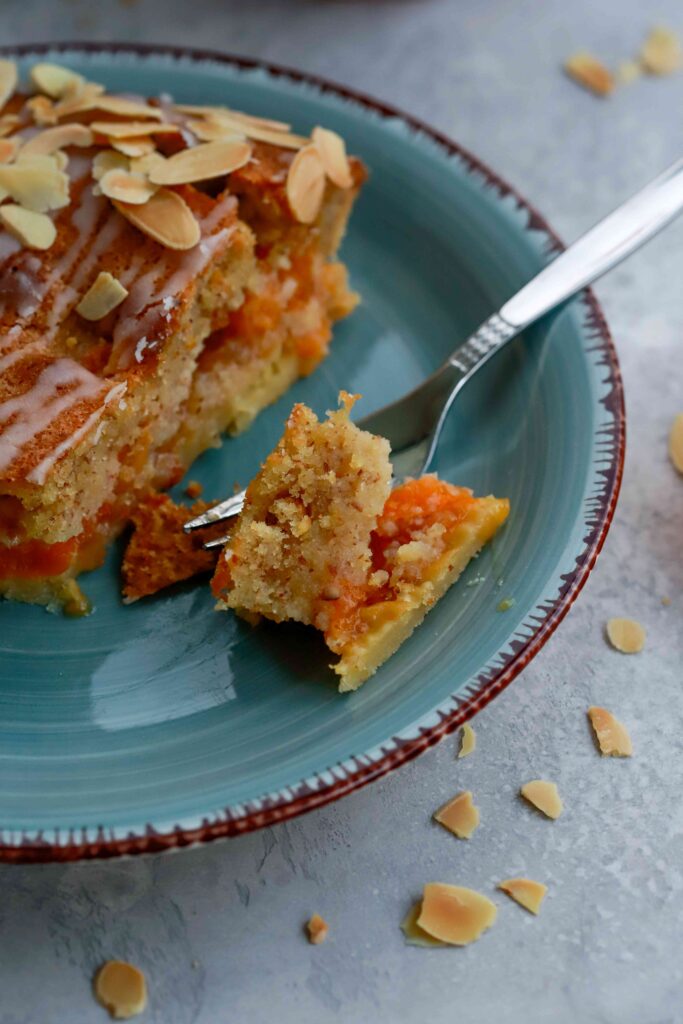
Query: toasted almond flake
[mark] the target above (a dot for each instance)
(144, 164)
(8, 123)
(612, 736)
(286, 140)
(306, 184)
(126, 108)
(201, 163)
(126, 187)
(628, 71)
(8, 80)
(121, 988)
(526, 892)
(236, 115)
(42, 110)
(60, 137)
(103, 295)
(134, 148)
(454, 914)
(34, 185)
(589, 72)
(332, 152)
(661, 53)
(626, 635)
(108, 160)
(214, 131)
(34, 230)
(131, 129)
(317, 929)
(544, 797)
(8, 150)
(81, 102)
(56, 81)
(166, 218)
(676, 443)
(460, 815)
(415, 936)
(468, 741)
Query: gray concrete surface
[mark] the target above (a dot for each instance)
(218, 930)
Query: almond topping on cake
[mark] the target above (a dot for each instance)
(130, 129)
(103, 295)
(460, 815)
(455, 915)
(121, 988)
(8, 80)
(306, 184)
(42, 110)
(166, 218)
(8, 150)
(34, 230)
(612, 736)
(526, 892)
(544, 797)
(36, 185)
(59, 137)
(201, 163)
(109, 160)
(126, 186)
(332, 152)
(468, 741)
(56, 81)
(134, 147)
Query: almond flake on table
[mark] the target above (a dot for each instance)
(526, 892)
(454, 914)
(612, 735)
(121, 988)
(460, 815)
(625, 635)
(317, 929)
(676, 443)
(589, 72)
(468, 741)
(544, 796)
(661, 53)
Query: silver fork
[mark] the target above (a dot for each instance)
(413, 424)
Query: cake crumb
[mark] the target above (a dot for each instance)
(626, 635)
(194, 489)
(612, 736)
(317, 929)
(468, 741)
(454, 914)
(460, 815)
(661, 53)
(544, 796)
(121, 988)
(526, 892)
(588, 71)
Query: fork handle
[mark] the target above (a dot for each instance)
(600, 249)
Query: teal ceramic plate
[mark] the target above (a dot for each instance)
(159, 725)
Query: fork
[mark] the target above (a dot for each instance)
(413, 424)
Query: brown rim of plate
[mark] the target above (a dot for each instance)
(547, 617)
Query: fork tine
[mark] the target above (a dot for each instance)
(217, 542)
(224, 510)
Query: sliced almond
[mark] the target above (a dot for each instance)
(144, 164)
(134, 148)
(108, 160)
(8, 123)
(121, 988)
(126, 108)
(661, 53)
(591, 73)
(626, 635)
(60, 137)
(131, 129)
(468, 741)
(56, 81)
(332, 150)
(306, 184)
(8, 150)
(236, 125)
(209, 130)
(454, 914)
(236, 115)
(526, 892)
(166, 218)
(415, 936)
(612, 736)
(544, 797)
(317, 929)
(104, 295)
(126, 186)
(676, 443)
(201, 163)
(36, 185)
(79, 103)
(42, 110)
(460, 815)
(8, 80)
(34, 230)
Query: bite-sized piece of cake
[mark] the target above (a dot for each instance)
(159, 553)
(165, 272)
(323, 541)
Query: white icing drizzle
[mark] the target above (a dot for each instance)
(61, 385)
(70, 294)
(39, 473)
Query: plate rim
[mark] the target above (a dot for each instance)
(28, 847)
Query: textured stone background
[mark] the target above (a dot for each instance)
(218, 930)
